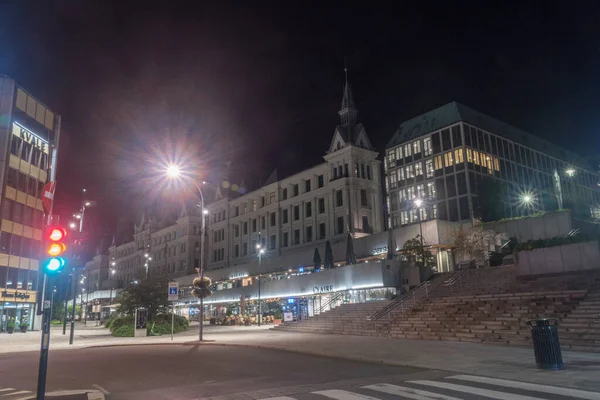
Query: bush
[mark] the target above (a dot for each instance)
(56, 322)
(121, 321)
(162, 324)
(123, 331)
(109, 321)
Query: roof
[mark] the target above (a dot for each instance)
(454, 112)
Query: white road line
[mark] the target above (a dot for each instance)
(15, 393)
(344, 395)
(579, 394)
(407, 392)
(279, 398)
(100, 388)
(7, 389)
(477, 391)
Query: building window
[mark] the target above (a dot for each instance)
(410, 193)
(272, 241)
(272, 219)
(391, 159)
(271, 197)
(254, 205)
(401, 176)
(416, 147)
(308, 210)
(245, 228)
(6, 208)
(262, 201)
(365, 224)
(236, 230)
(448, 159)
(308, 237)
(362, 171)
(410, 171)
(427, 146)
(458, 156)
(263, 222)
(363, 198)
(431, 190)
(340, 225)
(369, 176)
(285, 216)
(296, 213)
(420, 191)
(339, 195)
(285, 239)
(295, 189)
(418, 169)
(321, 205)
(284, 194)
(297, 236)
(307, 186)
(236, 250)
(322, 230)
(404, 217)
(245, 249)
(402, 194)
(392, 177)
(429, 169)
(407, 150)
(320, 181)
(254, 225)
(437, 162)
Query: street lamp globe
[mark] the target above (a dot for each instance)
(205, 211)
(527, 199)
(419, 202)
(258, 246)
(72, 225)
(262, 251)
(570, 171)
(113, 263)
(173, 171)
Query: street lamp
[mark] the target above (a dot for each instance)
(260, 252)
(419, 203)
(570, 171)
(110, 282)
(174, 171)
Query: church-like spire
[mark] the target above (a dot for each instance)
(348, 112)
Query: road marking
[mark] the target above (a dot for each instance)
(15, 393)
(7, 389)
(344, 395)
(279, 398)
(100, 388)
(580, 394)
(473, 390)
(408, 392)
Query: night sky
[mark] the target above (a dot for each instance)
(138, 83)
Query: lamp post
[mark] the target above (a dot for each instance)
(174, 171)
(260, 251)
(110, 283)
(419, 203)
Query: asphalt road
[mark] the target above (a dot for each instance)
(231, 373)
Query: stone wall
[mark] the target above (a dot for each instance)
(553, 260)
(546, 226)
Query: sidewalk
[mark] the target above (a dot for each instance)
(513, 363)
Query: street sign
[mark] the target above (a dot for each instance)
(173, 291)
(48, 197)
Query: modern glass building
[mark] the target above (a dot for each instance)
(455, 163)
(29, 133)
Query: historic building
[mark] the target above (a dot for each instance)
(292, 215)
(455, 163)
(30, 135)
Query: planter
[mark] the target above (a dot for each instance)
(10, 329)
(23, 328)
(276, 322)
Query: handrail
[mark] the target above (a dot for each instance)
(413, 294)
(334, 298)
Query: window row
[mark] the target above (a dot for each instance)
(219, 235)
(22, 214)
(28, 152)
(24, 183)
(218, 255)
(17, 245)
(408, 150)
(18, 278)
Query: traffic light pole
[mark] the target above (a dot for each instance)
(43, 367)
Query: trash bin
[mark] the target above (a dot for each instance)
(544, 334)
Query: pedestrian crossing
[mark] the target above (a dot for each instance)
(456, 387)
(13, 394)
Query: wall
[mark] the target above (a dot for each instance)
(360, 276)
(546, 226)
(552, 260)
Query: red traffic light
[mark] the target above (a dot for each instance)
(56, 234)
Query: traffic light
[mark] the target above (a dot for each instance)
(55, 249)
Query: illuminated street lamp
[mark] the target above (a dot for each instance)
(110, 282)
(570, 171)
(174, 171)
(260, 252)
(419, 203)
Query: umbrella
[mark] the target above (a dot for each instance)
(328, 256)
(317, 259)
(391, 245)
(350, 257)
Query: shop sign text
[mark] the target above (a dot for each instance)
(379, 250)
(323, 289)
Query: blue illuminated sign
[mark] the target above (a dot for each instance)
(301, 269)
(291, 301)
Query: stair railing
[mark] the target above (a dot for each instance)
(337, 296)
(408, 298)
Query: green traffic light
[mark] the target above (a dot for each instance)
(54, 265)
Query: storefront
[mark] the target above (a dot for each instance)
(17, 306)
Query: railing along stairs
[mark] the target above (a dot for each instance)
(408, 298)
(337, 296)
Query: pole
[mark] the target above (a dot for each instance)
(422, 245)
(66, 305)
(81, 219)
(259, 268)
(45, 343)
(201, 314)
(87, 297)
(74, 291)
(172, 319)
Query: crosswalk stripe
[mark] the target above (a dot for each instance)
(344, 395)
(7, 389)
(15, 393)
(473, 390)
(407, 392)
(576, 393)
(279, 398)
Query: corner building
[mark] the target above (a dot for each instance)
(445, 156)
(29, 135)
(290, 216)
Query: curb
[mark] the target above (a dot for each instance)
(92, 394)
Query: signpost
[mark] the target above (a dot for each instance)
(173, 297)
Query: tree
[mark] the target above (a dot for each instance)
(415, 251)
(474, 242)
(147, 293)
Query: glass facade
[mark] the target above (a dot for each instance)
(461, 171)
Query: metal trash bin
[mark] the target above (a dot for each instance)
(546, 346)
